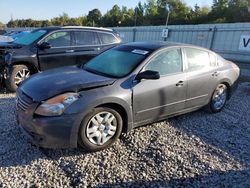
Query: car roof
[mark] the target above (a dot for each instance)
(52, 28)
(155, 45)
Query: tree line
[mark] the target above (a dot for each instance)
(153, 12)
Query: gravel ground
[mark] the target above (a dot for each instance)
(193, 150)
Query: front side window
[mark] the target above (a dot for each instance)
(59, 39)
(166, 62)
(86, 38)
(197, 59)
(107, 38)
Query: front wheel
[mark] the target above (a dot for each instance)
(17, 74)
(100, 129)
(219, 98)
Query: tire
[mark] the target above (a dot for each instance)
(17, 74)
(219, 98)
(96, 133)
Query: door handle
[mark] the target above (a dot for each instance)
(70, 51)
(180, 84)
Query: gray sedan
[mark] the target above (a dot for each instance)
(128, 86)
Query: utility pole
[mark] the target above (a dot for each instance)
(167, 18)
(135, 16)
(167, 7)
(168, 10)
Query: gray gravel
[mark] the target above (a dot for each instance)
(193, 150)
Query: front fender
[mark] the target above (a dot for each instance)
(93, 98)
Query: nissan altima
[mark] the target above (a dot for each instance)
(125, 87)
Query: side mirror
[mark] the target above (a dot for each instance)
(44, 46)
(148, 75)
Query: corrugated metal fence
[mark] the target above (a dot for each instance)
(226, 39)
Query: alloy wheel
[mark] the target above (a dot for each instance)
(101, 128)
(21, 76)
(219, 97)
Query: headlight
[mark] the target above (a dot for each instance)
(56, 105)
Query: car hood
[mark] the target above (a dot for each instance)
(47, 84)
(9, 45)
(6, 39)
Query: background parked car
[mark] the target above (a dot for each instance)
(19, 34)
(4, 38)
(52, 47)
(2, 32)
(12, 36)
(125, 87)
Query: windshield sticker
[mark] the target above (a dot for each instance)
(141, 52)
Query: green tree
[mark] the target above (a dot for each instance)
(82, 20)
(151, 13)
(219, 11)
(139, 14)
(113, 17)
(94, 17)
(180, 12)
(238, 11)
(128, 16)
(199, 14)
(61, 20)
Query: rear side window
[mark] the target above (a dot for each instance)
(86, 38)
(197, 59)
(107, 38)
(59, 39)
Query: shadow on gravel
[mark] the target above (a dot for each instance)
(214, 179)
(228, 130)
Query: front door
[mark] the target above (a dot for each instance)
(155, 99)
(61, 52)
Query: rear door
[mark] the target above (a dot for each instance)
(86, 45)
(61, 52)
(155, 99)
(108, 40)
(201, 76)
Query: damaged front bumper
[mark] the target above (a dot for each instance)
(5, 61)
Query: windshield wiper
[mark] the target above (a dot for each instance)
(97, 72)
(17, 45)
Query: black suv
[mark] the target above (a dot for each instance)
(51, 47)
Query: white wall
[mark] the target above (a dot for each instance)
(222, 38)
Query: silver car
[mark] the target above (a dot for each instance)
(128, 86)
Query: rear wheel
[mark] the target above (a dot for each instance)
(17, 74)
(219, 98)
(100, 129)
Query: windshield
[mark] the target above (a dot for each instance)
(115, 63)
(30, 38)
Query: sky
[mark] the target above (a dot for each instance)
(47, 9)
